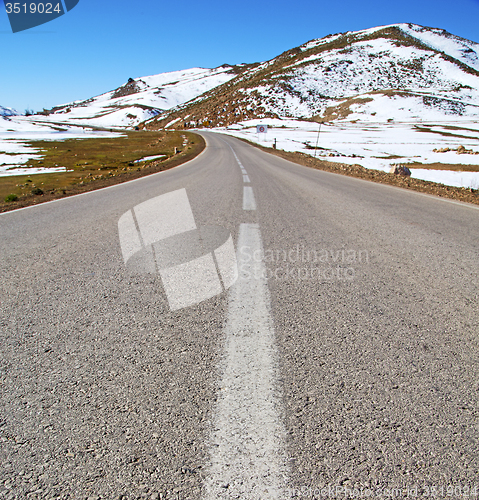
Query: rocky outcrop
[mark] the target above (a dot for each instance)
(461, 150)
(400, 170)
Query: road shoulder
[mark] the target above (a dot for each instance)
(466, 195)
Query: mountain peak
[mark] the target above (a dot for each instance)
(421, 71)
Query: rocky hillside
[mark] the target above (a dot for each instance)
(397, 72)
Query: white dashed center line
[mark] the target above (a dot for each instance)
(249, 202)
(247, 445)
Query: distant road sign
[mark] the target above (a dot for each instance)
(261, 129)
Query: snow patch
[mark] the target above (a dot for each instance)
(373, 145)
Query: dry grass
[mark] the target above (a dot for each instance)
(429, 129)
(97, 163)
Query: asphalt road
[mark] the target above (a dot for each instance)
(342, 363)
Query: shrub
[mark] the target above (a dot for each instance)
(37, 191)
(11, 197)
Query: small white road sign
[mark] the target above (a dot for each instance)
(261, 129)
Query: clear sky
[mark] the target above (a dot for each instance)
(99, 44)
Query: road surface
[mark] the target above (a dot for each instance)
(343, 360)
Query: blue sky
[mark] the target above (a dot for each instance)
(99, 44)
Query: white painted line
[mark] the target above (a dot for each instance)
(243, 171)
(249, 202)
(247, 444)
(246, 178)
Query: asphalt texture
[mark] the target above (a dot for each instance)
(373, 294)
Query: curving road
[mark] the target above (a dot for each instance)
(344, 358)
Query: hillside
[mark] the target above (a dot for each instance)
(397, 72)
(401, 72)
(141, 98)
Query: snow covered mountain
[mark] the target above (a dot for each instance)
(398, 72)
(7, 111)
(401, 72)
(141, 98)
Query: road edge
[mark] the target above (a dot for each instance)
(441, 191)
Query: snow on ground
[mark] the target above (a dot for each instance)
(406, 108)
(375, 145)
(460, 48)
(30, 171)
(448, 177)
(148, 158)
(16, 150)
(107, 117)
